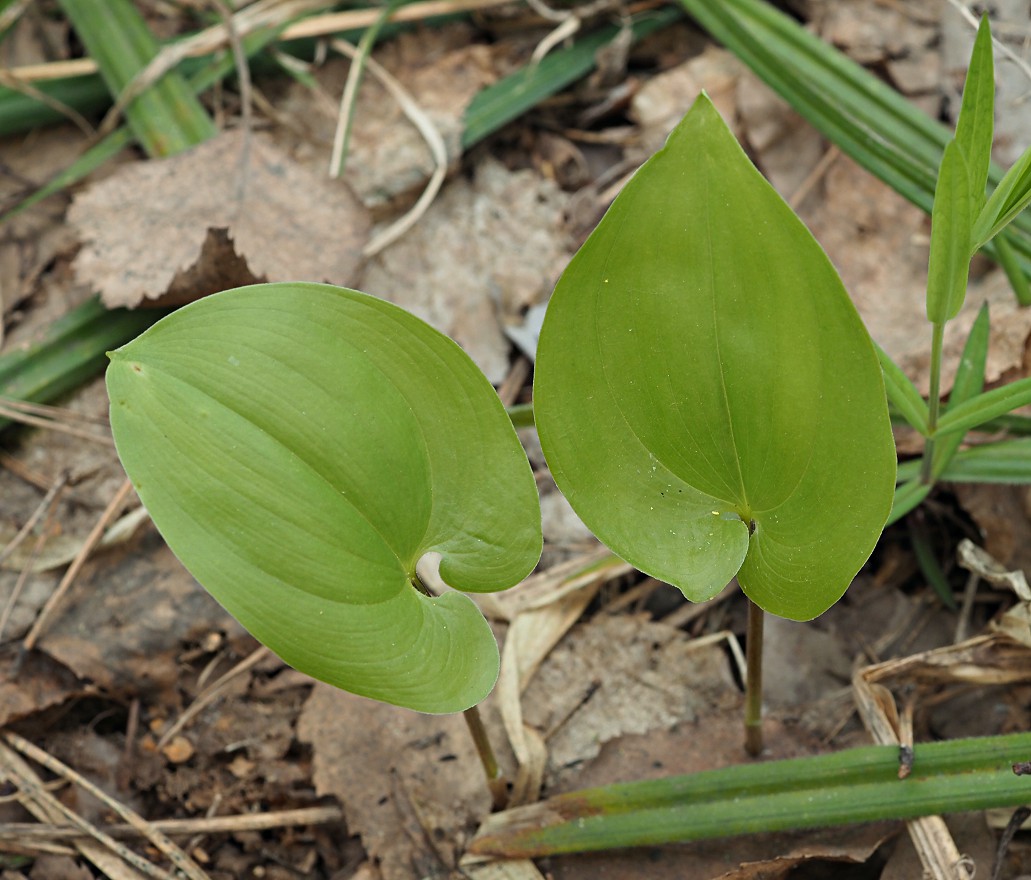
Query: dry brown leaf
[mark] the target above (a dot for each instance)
(126, 618)
(871, 33)
(785, 147)
(410, 784)
(232, 211)
(663, 100)
(441, 68)
(485, 250)
(618, 675)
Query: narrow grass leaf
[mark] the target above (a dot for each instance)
(903, 393)
(949, 259)
(1010, 198)
(166, 118)
(908, 494)
(511, 97)
(850, 786)
(1010, 262)
(1006, 461)
(976, 124)
(70, 352)
(967, 385)
(985, 407)
(927, 560)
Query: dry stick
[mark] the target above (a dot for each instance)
(112, 509)
(754, 681)
(211, 693)
(433, 139)
(174, 853)
(25, 418)
(57, 413)
(23, 578)
(12, 81)
(12, 13)
(214, 38)
(37, 514)
(98, 847)
(26, 831)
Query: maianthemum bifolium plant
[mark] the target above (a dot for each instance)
(706, 395)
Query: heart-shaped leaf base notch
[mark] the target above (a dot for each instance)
(300, 447)
(707, 397)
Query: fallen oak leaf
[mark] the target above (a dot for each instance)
(231, 211)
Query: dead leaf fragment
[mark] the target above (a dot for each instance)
(410, 784)
(486, 248)
(232, 211)
(179, 750)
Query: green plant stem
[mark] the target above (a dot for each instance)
(933, 401)
(754, 681)
(495, 781)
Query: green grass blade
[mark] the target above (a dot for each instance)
(511, 97)
(856, 785)
(908, 494)
(167, 118)
(20, 112)
(87, 163)
(213, 70)
(967, 385)
(1010, 198)
(1010, 263)
(985, 407)
(72, 351)
(903, 393)
(1006, 461)
(928, 562)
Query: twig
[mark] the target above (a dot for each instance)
(434, 141)
(1012, 827)
(175, 855)
(966, 609)
(214, 38)
(98, 847)
(112, 509)
(27, 831)
(211, 693)
(37, 514)
(16, 414)
(12, 13)
(10, 80)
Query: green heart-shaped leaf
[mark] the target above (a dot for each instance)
(300, 447)
(701, 369)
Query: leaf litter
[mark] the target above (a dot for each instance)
(586, 696)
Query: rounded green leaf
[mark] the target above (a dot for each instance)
(706, 395)
(301, 447)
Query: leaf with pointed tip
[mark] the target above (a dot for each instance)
(1011, 196)
(700, 369)
(976, 124)
(301, 447)
(949, 260)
